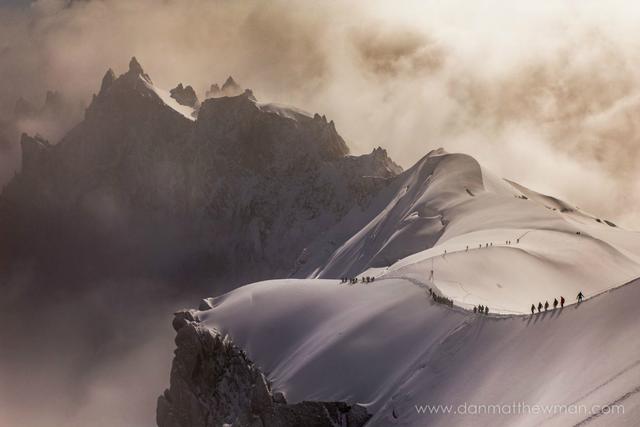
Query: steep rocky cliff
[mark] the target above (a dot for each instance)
(213, 383)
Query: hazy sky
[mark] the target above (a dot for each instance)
(544, 93)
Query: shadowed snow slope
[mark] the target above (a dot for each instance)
(445, 224)
(388, 346)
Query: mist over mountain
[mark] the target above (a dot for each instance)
(258, 191)
(244, 178)
(146, 201)
(559, 94)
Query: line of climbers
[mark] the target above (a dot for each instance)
(354, 280)
(440, 299)
(482, 309)
(546, 305)
(488, 245)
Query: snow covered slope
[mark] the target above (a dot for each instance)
(445, 224)
(388, 346)
(449, 226)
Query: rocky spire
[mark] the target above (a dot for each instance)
(230, 87)
(213, 92)
(135, 67)
(185, 95)
(108, 79)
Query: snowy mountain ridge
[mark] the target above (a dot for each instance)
(210, 195)
(450, 228)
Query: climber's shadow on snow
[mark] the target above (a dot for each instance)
(535, 317)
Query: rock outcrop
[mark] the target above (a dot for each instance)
(229, 88)
(185, 95)
(214, 384)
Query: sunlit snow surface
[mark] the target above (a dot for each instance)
(387, 345)
(442, 214)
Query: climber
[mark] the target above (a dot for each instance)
(533, 308)
(539, 307)
(555, 303)
(546, 305)
(561, 302)
(580, 296)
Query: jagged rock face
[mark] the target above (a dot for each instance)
(239, 191)
(213, 383)
(229, 88)
(185, 96)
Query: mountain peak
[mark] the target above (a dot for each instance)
(135, 67)
(107, 80)
(230, 83)
(229, 88)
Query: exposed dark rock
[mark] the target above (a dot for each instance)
(185, 96)
(135, 67)
(107, 80)
(213, 383)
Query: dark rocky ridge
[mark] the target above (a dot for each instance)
(213, 384)
(139, 189)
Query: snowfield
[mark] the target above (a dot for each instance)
(449, 226)
(388, 346)
(434, 225)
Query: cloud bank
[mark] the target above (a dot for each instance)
(544, 94)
